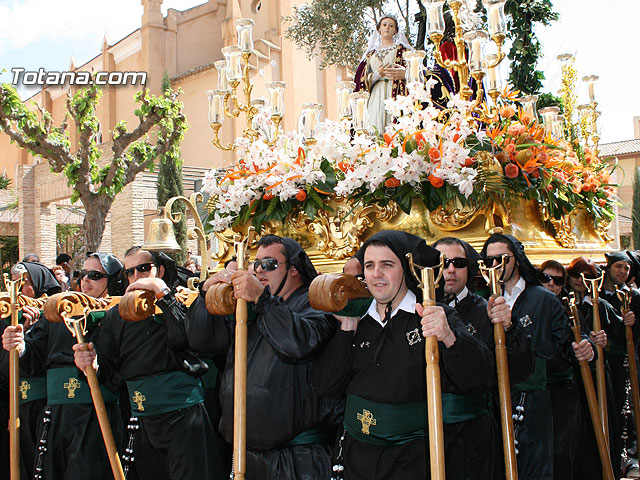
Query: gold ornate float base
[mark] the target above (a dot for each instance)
(334, 236)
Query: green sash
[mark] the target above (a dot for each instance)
(68, 385)
(561, 376)
(389, 424)
(323, 434)
(536, 381)
(164, 393)
(32, 388)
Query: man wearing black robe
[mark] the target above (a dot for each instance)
(69, 439)
(538, 311)
(289, 426)
(616, 274)
(38, 281)
(378, 361)
(175, 438)
(468, 454)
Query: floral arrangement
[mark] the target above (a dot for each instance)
(426, 155)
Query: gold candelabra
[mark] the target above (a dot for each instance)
(223, 101)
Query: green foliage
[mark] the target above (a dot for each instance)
(170, 185)
(9, 253)
(339, 29)
(5, 182)
(95, 182)
(526, 49)
(635, 210)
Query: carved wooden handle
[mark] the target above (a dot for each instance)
(332, 291)
(219, 299)
(73, 304)
(137, 305)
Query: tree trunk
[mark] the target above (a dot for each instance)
(96, 210)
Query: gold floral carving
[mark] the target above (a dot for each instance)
(339, 233)
(562, 227)
(450, 219)
(602, 230)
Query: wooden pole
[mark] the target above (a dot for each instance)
(492, 276)
(434, 395)
(594, 286)
(101, 411)
(14, 374)
(240, 373)
(587, 380)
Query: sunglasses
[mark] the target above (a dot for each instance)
(267, 264)
(457, 262)
(489, 261)
(142, 268)
(94, 275)
(546, 278)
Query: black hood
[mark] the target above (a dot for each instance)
(43, 280)
(297, 257)
(472, 256)
(112, 267)
(400, 244)
(527, 270)
(635, 264)
(614, 257)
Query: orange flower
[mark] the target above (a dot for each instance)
(387, 139)
(267, 196)
(346, 167)
(507, 111)
(392, 182)
(436, 182)
(516, 129)
(469, 161)
(301, 196)
(495, 132)
(434, 153)
(511, 149)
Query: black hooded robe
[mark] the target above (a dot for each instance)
(44, 282)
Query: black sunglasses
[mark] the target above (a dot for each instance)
(267, 264)
(458, 262)
(94, 275)
(142, 268)
(489, 261)
(546, 278)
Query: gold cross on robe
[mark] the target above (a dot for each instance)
(72, 385)
(366, 418)
(24, 386)
(138, 398)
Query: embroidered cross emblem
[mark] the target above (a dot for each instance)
(366, 418)
(525, 321)
(72, 385)
(414, 336)
(471, 329)
(24, 386)
(138, 398)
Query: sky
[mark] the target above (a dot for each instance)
(35, 35)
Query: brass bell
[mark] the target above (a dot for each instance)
(161, 237)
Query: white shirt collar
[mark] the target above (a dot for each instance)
(517, 289)
(408, 304)
(587, 299)
(462, 295)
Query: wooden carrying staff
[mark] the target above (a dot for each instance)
(13, 287)
(63, 307)
(594, 285)
(493, 275)
(587, 380)
(427, 281)
(625, 298)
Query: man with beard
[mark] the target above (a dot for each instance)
(467, 448)
(541, 314)
(69, 433)
(289, 426)
(378, 361)
(175, 438)
(38, 281)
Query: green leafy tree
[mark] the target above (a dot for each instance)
(635, 210)
(170, 185)
(526, 49)
(95, 179)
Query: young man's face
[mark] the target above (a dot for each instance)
(497, 249)
(383, 274)
(550, 283)
(94, 287)
(141, 265)
(271, 255)
(619, 272)
(455, 278)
